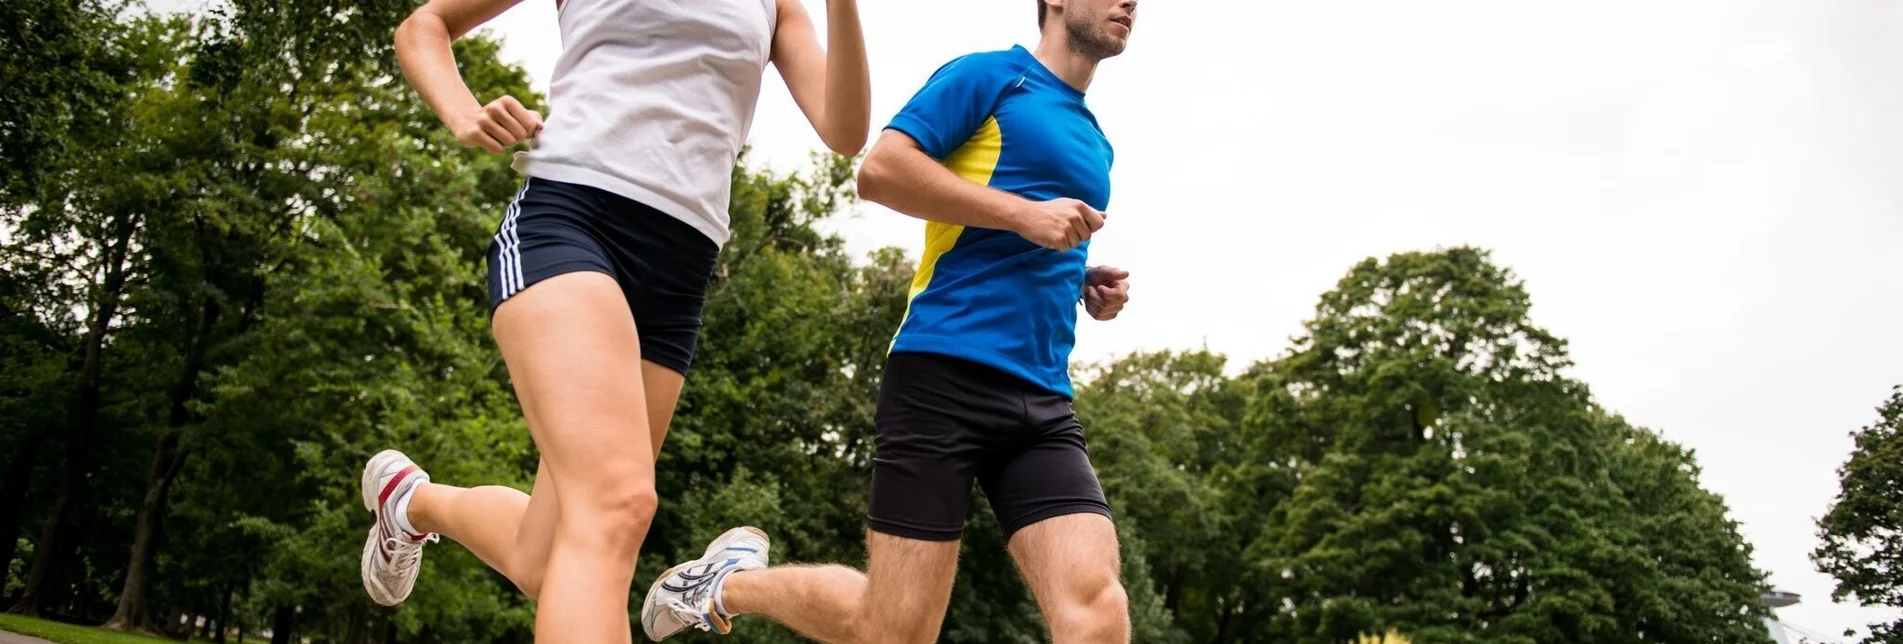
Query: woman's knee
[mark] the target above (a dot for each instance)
(617, 499)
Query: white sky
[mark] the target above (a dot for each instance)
(1701, 195)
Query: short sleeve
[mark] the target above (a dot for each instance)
(952, 105)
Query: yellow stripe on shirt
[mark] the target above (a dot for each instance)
(974, 161)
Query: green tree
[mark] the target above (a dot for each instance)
(372, 333)
(250, 147)
(1450, 482)
(284, 119)
(1863, 531)
(1164, 430)
(80, 233)
(1673, 540)
(59, 83)
(36, 342)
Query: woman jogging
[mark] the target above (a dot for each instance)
(598, 271)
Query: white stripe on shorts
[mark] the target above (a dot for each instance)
(509, 251)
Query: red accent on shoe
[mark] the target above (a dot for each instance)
(395, 481)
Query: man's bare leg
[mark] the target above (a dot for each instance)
(911, 579)
(1073, 568)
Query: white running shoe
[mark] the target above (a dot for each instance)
(391, 555)
(684, 595)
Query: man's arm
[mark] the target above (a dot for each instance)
(898, 174)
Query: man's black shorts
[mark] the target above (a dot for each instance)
(662, 264)
(944, 421)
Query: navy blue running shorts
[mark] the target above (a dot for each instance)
(663, 264)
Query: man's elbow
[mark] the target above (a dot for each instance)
(893, 166)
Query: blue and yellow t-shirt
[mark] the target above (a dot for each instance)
(1003, 120)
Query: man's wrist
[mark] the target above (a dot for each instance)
(1016, 212)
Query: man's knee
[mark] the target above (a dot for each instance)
(1114, 604)
(894, 628)
(1095, 609)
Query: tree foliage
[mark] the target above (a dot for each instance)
(1418, 462)
(1863, 531)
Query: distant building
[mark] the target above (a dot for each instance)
(1778, 599)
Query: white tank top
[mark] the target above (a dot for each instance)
(652, 100)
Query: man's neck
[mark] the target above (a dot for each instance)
(1055, 52)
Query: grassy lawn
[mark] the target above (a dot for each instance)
(70, 634)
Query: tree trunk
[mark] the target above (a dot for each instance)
(355, 630)
(65, 594)
(19, 482)
(239, 622)
(224, 617)
(1222, 623)
(167, 460)
(81, 417)
(45, 551)
(172, 628)
(282, 623)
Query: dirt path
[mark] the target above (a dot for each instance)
(7, 637)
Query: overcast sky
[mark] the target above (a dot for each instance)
(1702, 195)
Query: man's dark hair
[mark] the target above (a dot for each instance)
(1041, 10)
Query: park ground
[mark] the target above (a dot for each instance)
(16, 629)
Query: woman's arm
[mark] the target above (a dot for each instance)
(422, 49)
(831, 84)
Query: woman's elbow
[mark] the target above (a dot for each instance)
(421, 25)
(408, 30)
(846, 142)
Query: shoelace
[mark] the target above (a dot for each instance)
(692, 616)
(687, 612)
(408, 554)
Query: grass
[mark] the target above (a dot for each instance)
(71, 634)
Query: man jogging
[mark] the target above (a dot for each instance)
(1002, 157)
